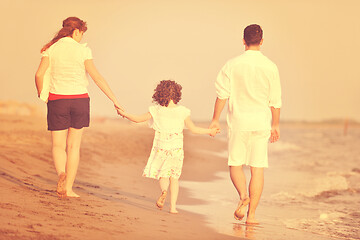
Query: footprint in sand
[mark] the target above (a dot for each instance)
(92, 186)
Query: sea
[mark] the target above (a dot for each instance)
(311, 191)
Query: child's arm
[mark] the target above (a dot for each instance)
(199, 130)
(135, 118)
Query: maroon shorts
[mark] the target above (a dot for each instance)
(65, 113)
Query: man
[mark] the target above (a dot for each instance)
(251, 83)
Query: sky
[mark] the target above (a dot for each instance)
(138, 43)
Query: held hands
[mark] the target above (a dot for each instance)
(215, 124)
(117, 106)
(214, 131)
(214, 128)
(121, 112)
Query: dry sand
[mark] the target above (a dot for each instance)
(116, 202)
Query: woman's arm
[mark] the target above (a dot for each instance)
(135, 118)
(199, 130)
(101, 82)
(39, 75)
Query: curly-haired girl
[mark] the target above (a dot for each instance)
(168, 120)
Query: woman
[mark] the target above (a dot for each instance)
(68, 101)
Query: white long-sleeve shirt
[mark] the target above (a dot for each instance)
(251, 83)
(67, 74)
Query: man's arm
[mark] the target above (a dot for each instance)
(199, 130)
(275, 129)
(218, 108)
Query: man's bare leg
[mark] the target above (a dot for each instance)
(255, 190)
(238, 178)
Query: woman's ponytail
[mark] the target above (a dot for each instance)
(69, 26)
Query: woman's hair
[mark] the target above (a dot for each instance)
(69, 25)
(165, 91)
(253, 34)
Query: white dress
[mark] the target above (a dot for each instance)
(167, 153)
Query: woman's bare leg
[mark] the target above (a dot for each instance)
(59, 150)
(59, 156)
(73, 156)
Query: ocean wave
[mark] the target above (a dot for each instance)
(332, 224)
(283, 146)
(326, 186)
(313, 134)
(311, 164)
(284, 197)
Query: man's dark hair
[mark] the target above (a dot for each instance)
(253, 34)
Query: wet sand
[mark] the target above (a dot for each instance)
(312, 187)
(116, 202)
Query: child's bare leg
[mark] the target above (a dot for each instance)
(174, 188)
(73, 157)
(164, 183)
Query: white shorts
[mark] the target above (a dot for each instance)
(249, 148)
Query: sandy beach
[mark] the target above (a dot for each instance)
(116, 201)
(309, 193)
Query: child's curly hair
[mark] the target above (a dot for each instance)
(165, 91)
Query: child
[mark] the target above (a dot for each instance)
(167, 154)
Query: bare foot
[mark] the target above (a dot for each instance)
(174, 211)
(161, 201)
(72, 194)
(251, 220)
(241, 209)
(60, 190)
